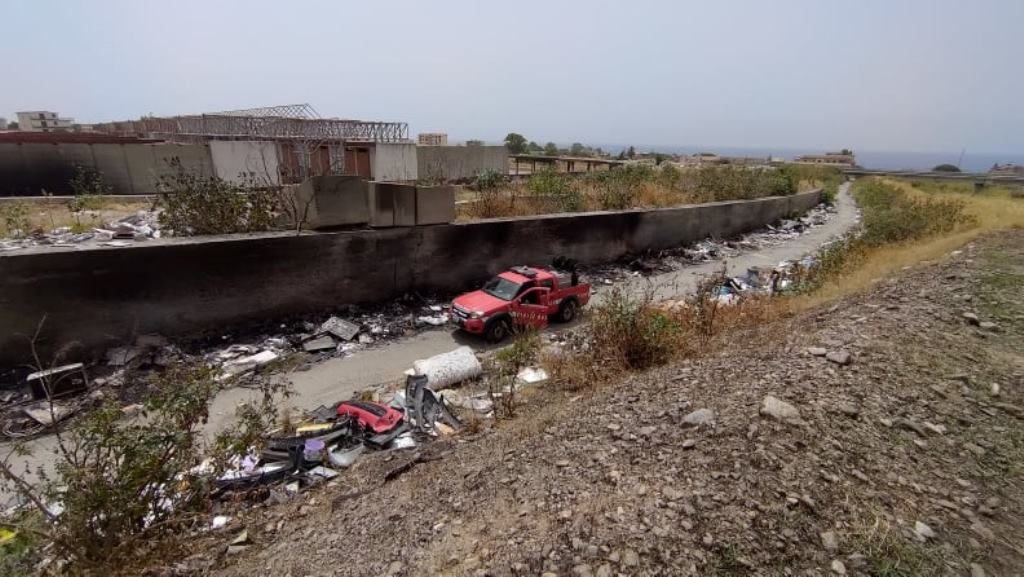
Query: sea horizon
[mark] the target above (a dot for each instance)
(871, 159)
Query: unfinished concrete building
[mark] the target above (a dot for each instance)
(285, 144)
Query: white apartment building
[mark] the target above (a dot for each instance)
(43, 121)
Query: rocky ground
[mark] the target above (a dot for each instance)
(895, 447)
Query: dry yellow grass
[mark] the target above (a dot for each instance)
(993, 210)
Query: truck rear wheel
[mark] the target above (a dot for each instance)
(497, 330)
(567, 312)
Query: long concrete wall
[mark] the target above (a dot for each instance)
(246, 161)
(98, 297)
(394, 161)
(460, 162)
(26, 169)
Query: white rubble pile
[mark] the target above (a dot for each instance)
(710, 249)
(141, 226)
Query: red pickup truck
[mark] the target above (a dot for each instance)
(520, 296)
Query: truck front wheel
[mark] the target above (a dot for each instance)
(497, 330)
(567, 312)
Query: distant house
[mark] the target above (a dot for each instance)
(844, 159)
(707, 158)
(1006, 170)
(432, 139)
(43, 121)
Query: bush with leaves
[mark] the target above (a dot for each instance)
(889, 214)
(631, 332)
(197, 204)
(558, 186)
(116, 481)
(90, 193)
(89, 190)
(15, 218)
(489, 180)
(507, 364)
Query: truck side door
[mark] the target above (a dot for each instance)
(530, 309)
(554, 296)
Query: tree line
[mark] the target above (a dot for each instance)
(518, 144)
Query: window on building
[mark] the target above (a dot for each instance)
(41, 116)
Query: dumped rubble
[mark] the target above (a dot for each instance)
(711, 250)
(329, 439)
(141, 226)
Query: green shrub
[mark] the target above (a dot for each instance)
(888, 215)
(119, 481)
(195, 204)
(631, 333)
(15, 218)
(829, 192)
(736, 182)
(89, 190)
(558, 186)
(489, 179)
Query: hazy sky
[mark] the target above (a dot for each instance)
(928, 75)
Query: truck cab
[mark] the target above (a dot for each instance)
(520, 297)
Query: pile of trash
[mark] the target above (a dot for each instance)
(759, 281)
(336, 336)
(50, 397)
(328, 439)
(710, 249)
(244, 359)
(141, 226)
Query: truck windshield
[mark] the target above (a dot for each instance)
(502, 288)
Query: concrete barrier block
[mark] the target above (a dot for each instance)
(435, 204)
(332, 201)
(393, 204)
(382, 206)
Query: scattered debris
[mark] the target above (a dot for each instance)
(424, 407)
(340, 328)
(121, 356)
(433, 320)
(532, 375)
(323, 472)
(46, 413)
(767, 280)
(59, 381)
(344, 459)
(242, 365)
(141, 226)
(447, 369)
(324, 343)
